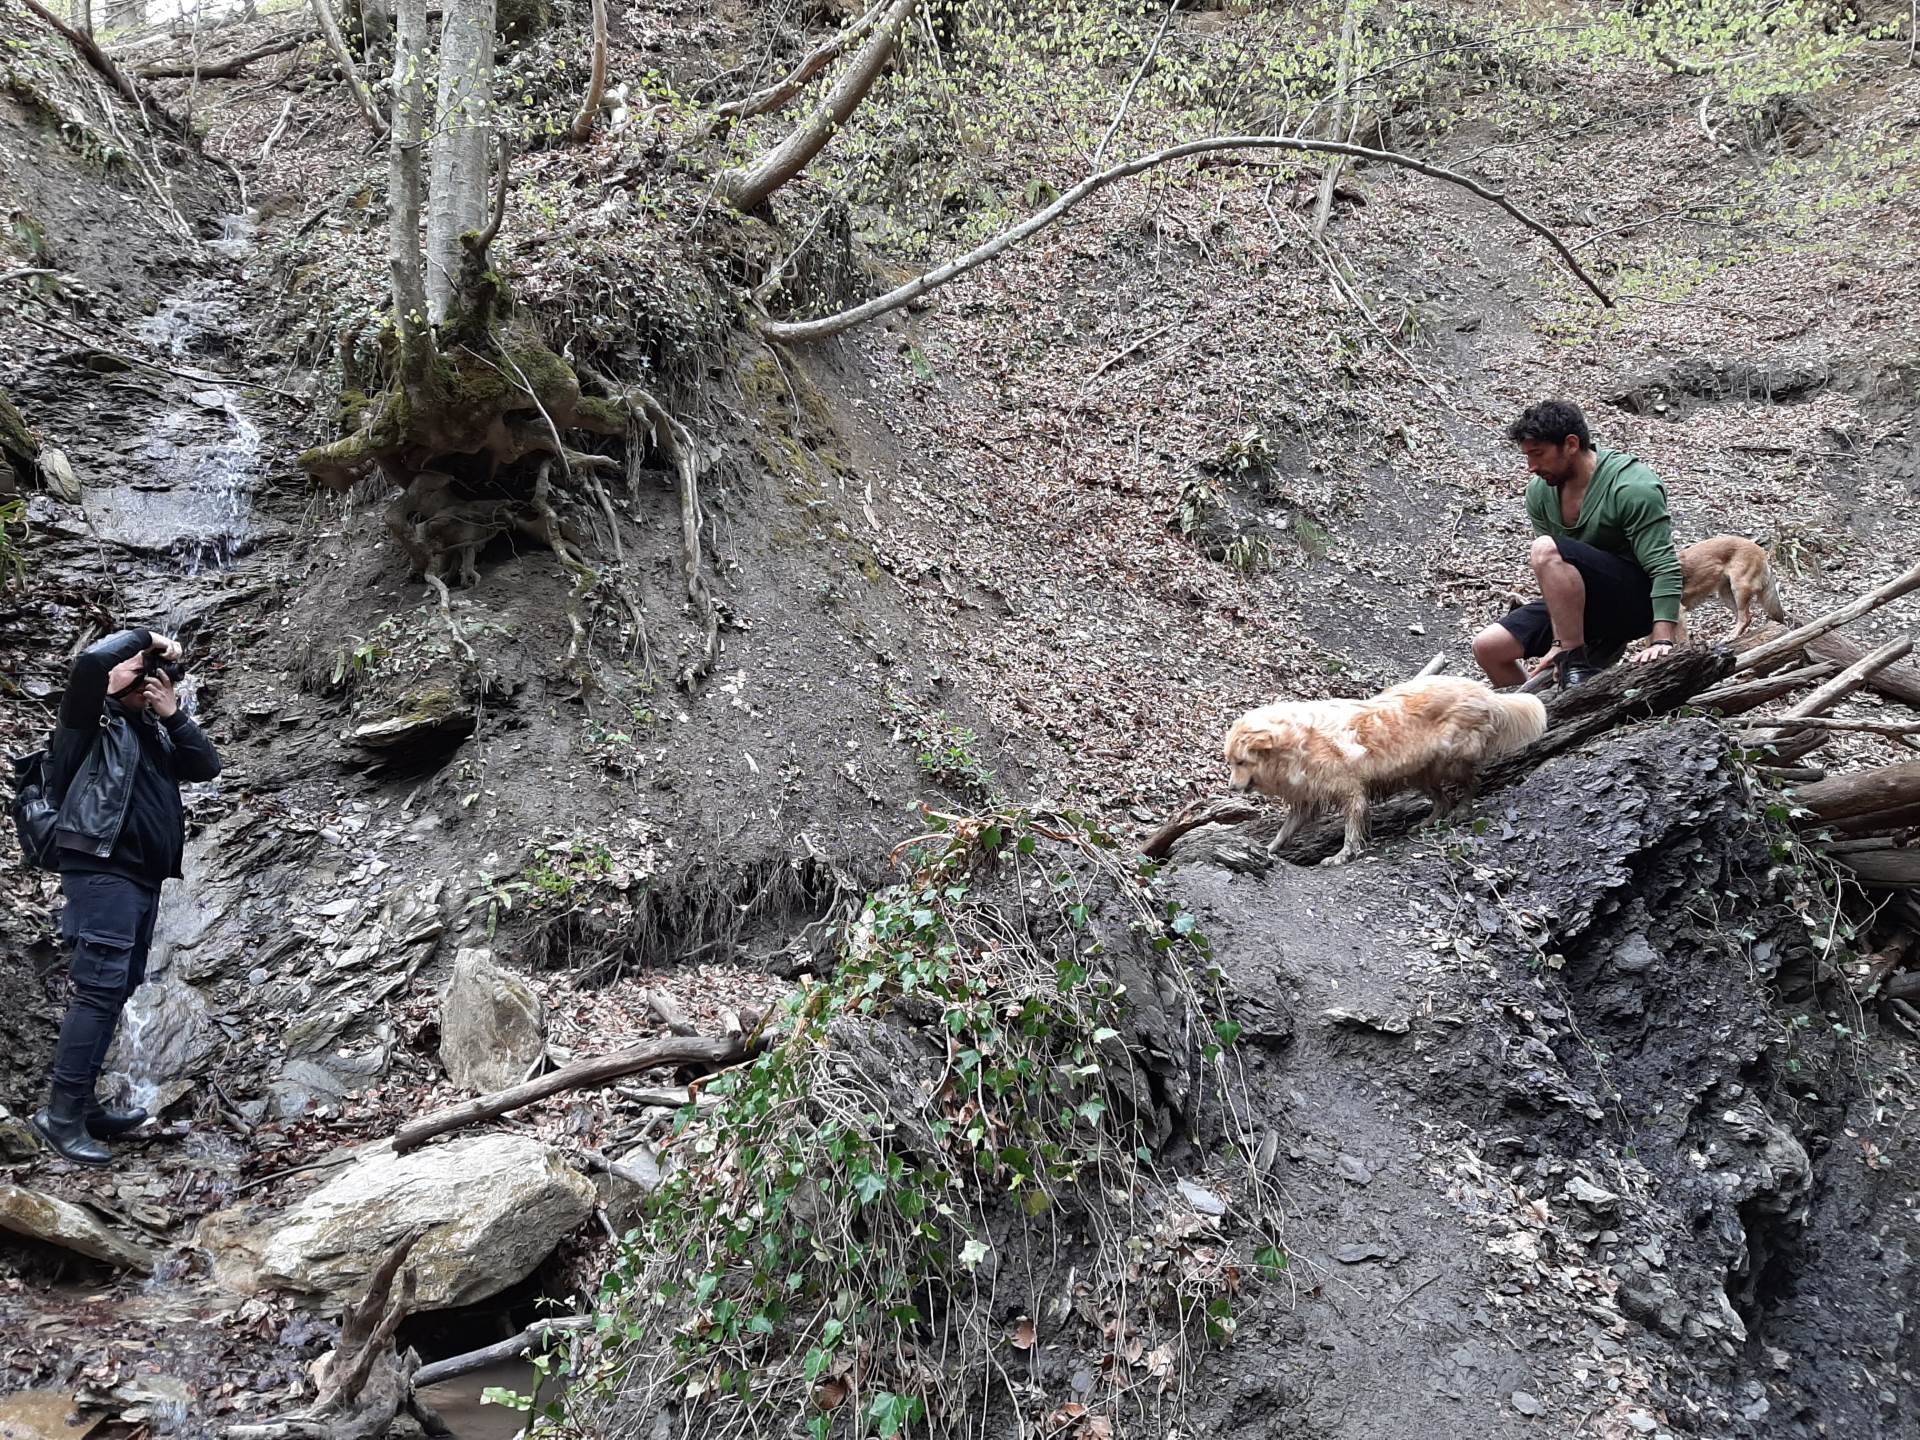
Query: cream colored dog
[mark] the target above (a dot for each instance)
(1431, 734)
(1733, 570)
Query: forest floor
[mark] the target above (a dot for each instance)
(950, 547)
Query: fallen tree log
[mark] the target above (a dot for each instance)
(1208, 810)
(1897, 869)
(1801, 737)
(1897, 682)
(1891, 789)
(581, 1075)
(1781, 646)
(1875, 822)
(1745, 695)
(224, 69)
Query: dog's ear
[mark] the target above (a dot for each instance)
(1257, 741)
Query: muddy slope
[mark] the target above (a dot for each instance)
(1558, 1146)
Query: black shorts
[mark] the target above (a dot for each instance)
(1619, 603)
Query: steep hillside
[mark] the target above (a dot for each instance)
(1560, 1120)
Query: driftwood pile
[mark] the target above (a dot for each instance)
(1866, 821)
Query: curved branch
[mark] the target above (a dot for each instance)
(779, 95)
(582, 127)
(794, 332)
(748, 187)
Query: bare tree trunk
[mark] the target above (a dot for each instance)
(83, 17)
(597, 81)
(457, 193)
(749, 187)
(1337, 126)
(343, 57)
(403, 185)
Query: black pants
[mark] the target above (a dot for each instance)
(1619, 606)
(108, 922)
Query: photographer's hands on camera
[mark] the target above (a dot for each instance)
(157, 682)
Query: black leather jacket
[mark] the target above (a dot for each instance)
(95, 751)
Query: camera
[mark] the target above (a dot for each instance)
(174, 670)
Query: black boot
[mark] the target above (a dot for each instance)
(1576, 667)
(105, 1123)
(63, 1125)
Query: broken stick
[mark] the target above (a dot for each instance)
(1782, 646)
(581, 1075)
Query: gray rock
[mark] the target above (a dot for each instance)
(1526, 1404)
(57, 472)
(492, 1025)
(59, 1222)
(1203, 1201)
(1359, 1254)
(1585, 1192)
(1380, 1021)
(497, 1206)
(1354, 1169)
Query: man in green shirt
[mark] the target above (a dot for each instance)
(1603, 554)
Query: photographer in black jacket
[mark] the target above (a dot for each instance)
(122, 748)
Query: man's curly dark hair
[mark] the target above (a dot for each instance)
(1551, 422)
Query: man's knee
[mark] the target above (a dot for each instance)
(1494, 646)
(1545, 551)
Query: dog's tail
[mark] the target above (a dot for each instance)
(1518, 721)
(1770, 595)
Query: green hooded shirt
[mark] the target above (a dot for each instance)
(1625, 514)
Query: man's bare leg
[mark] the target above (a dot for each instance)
(1499, 653)
(1564, 590)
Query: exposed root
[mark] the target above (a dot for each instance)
(453, 626)
(365, 1383)
(677, 444)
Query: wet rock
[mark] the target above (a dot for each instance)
(492, 1025)
(301, 1086)
(497, 1206)
(167, 1039)
(59, 1222)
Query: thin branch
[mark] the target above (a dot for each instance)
(455, 1366)
(748, 187)
(1781, 646)
(1341, 123)
(798, 331)
(1100, 150)
(779, 95)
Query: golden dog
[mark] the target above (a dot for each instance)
(1734, 571)
(1431, 734)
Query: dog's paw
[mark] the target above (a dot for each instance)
(1342, 857)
